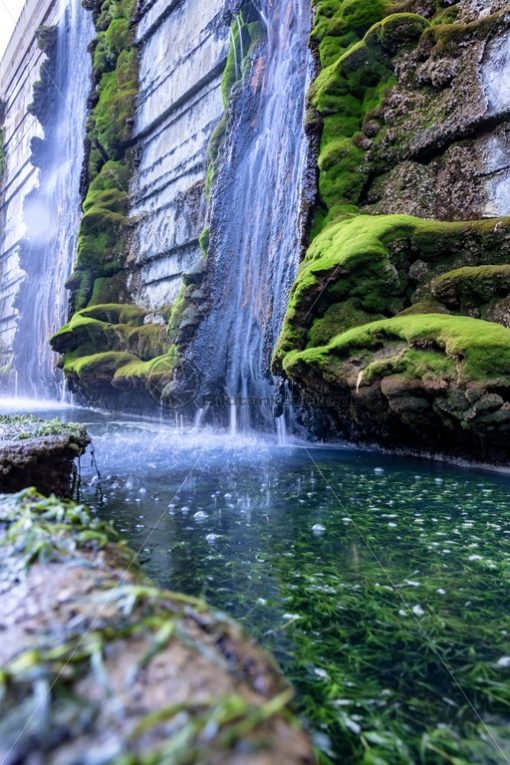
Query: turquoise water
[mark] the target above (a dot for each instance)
(381, 583)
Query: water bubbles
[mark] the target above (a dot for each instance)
(142, 492)
(200, 516)
(319, 529)
(475, 557)
(418, 610)
(321, 673)
(379, 471)
(504, 662)
(440, 591)
(211, 538)
(185, 509)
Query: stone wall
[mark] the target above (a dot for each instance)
(183, 52)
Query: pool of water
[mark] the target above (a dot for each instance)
(382, 584)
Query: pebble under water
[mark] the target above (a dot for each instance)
(381, 583)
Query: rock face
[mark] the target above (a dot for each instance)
(156, 99)
(397, 328)
(39, 453)
(97, 660)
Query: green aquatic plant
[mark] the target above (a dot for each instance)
(381, 585)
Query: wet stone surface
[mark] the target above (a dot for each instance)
(39, 453)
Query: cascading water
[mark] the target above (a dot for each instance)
(258, 211)
(52, 212)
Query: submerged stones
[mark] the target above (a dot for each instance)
(39, 453)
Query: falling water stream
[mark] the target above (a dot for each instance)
(52, 213)
(257, 218)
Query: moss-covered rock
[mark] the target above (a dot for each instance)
(101, 341)
(105, 333)
(40, 453)
(87, 635)
(382, 329)
(430, 382)
(382, 265)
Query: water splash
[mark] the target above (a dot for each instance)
(52, 214)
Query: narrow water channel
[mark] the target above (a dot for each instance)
(381, 583)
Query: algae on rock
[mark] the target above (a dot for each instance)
(402, 116)
(115, 641)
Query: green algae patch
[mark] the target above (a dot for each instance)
(111, 634)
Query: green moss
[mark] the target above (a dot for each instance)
(472, 287)
(358, 258)
(152, 371)
(107, 289)
(244, 35)
(412, 364)
(351, 89)
(114, 111)
(341, 23)
(102, 237)
(480, 349)
(114, 313)
(338, 318)
(110, 44)
(98, 368)
(203, 241)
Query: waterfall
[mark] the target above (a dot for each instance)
(52, 212)
(257, 219)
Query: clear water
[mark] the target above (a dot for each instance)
(381, 583)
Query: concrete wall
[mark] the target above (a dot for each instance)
(183, 51)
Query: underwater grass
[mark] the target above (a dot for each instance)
(393, 622)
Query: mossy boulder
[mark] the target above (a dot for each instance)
(40, 453)
(99, 342)
(433, 383)
(78, 617)
(374, 266)
(472, 287)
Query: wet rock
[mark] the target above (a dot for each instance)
(96, 660)
(39, 453)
